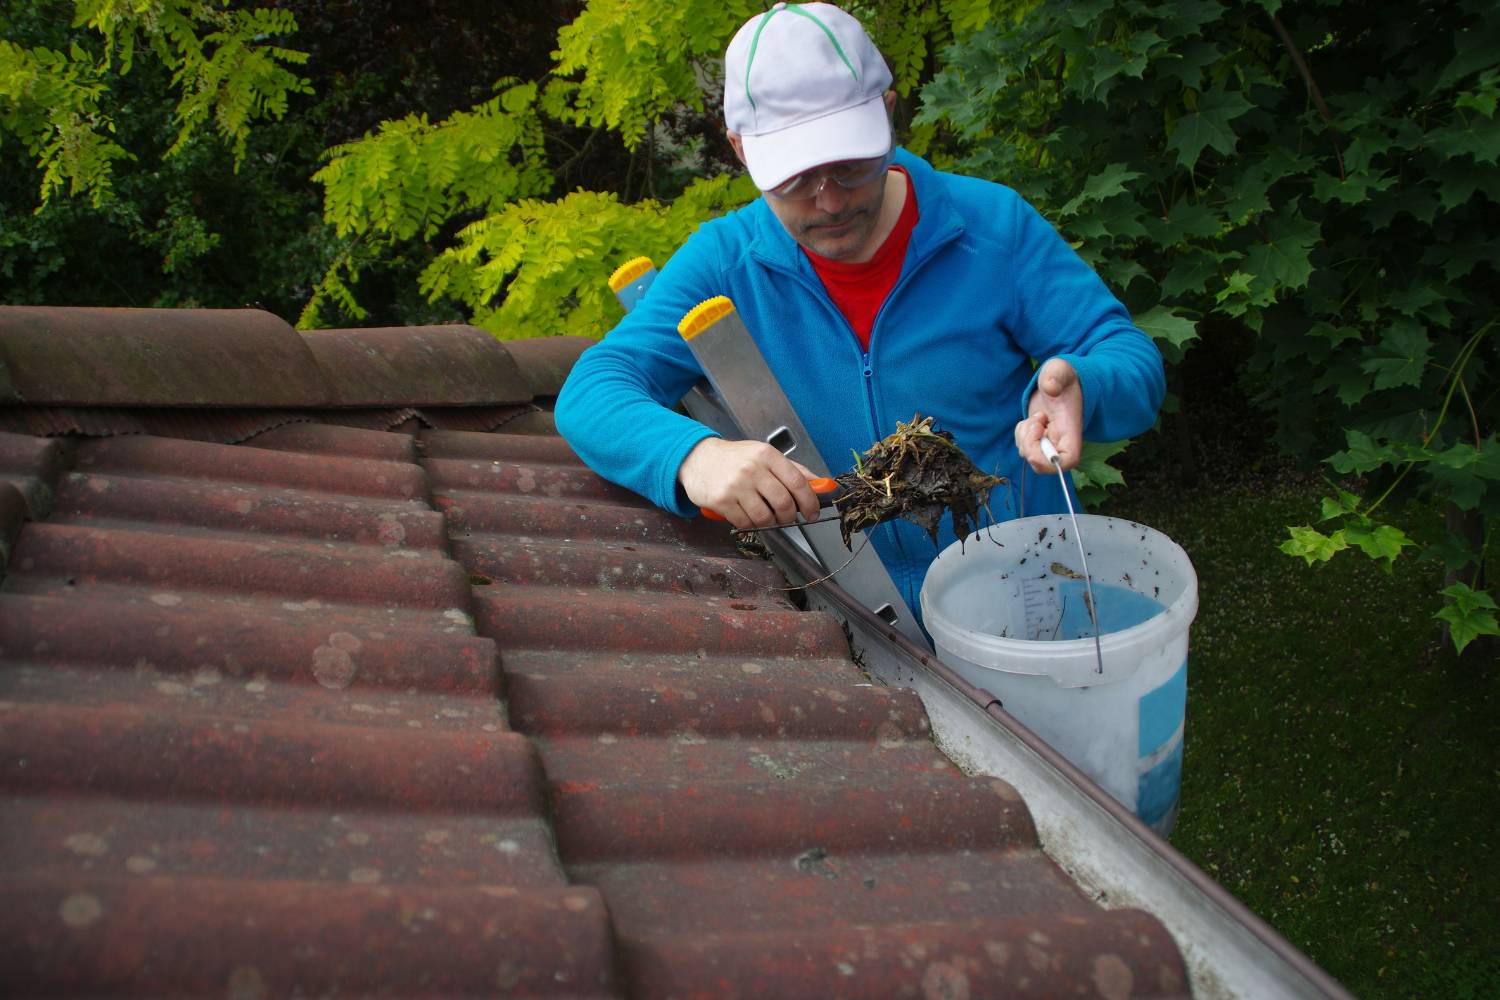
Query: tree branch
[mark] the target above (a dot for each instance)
(1312, 89)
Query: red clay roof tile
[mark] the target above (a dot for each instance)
(256, 710)
(546, 361)
(419, 366)
(158, 357)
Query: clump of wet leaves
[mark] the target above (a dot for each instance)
(915, 473)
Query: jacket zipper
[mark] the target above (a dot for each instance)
(904, 585)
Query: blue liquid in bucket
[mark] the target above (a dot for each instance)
(1120, 608)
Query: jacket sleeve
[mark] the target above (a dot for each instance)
(615, 409)
(1064, 310)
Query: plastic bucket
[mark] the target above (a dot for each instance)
(1013, 619)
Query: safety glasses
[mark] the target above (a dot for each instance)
(848, 175)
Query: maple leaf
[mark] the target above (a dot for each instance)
(1110, 181)
(1312, 545)
(1470, 615)
(1401, 355)
(1285, 256)
(1167, 324)
(1208, 125)
(1382, 541)
(1362, 455)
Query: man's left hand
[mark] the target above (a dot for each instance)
(1056, 411)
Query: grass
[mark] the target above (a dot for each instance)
(1342, 763)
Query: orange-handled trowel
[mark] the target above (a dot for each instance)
(828, 491)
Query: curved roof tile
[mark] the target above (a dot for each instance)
(357, 710)
(418, 366)
(157, 357)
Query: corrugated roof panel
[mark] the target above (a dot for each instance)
(523, 419)
(252, 743)
(256, 710)
(640, 567)
(549, 482)
(546, 361)
(116, 835)
(13, 515)
(160, 936)
(581, 520)
(31, 465)
(1114, 954)
(588, 620)
(158, 357)
(133, 750)
(556, 695)
(158, 570)
(759, 817)
(344, 442)
(420, 366)
(359, 477)
(226, 426)
(248, 510)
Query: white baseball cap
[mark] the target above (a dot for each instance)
(805, 86)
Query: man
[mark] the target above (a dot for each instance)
(877, 288)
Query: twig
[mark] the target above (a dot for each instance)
(810, 583)
(1473, 417)
(1312, 89)
(578, 153)
(1456, 372)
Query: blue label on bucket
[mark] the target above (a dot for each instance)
(1158, 788)
(1162, 711)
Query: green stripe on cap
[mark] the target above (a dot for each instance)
(755, 44)
(831, 39)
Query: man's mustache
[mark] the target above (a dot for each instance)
(834, 220)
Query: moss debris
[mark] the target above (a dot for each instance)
(915, 473)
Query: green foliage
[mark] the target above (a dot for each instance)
(186, 230)
(1093, 475)
(524, 267)
(51, 102)
(1470, 615)
(57, 103)
(1376, 540)
(396, 198)
(537, 267)
(1342, 762)
(1314, 171)
(411, 178)
(909, 33)
(640, 60)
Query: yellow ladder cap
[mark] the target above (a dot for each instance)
(629, 271)
(704, 315)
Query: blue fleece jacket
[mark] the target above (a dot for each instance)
(987, 286)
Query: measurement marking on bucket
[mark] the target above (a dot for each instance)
(1034, 600)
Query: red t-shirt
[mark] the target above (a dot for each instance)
(859, 290)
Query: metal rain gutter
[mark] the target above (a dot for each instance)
(1229, 951)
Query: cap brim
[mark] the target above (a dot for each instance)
(858, 133)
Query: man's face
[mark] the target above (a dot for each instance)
(838, 223)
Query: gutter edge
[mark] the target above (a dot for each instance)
(1228, 949)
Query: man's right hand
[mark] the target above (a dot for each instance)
(749, 482)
